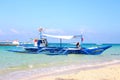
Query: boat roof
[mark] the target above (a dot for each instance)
(62, 37)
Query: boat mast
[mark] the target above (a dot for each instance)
(40, 32)
(81, 40)
(60, 42)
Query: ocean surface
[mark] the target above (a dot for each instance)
(14, 61)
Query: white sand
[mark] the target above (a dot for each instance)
(110, 72)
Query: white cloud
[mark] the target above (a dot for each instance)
(54, 31)
(1, 32)
(14, 31)
(86, 30)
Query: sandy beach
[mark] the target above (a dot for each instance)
(109, 72)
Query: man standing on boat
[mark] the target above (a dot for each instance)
(77, 44)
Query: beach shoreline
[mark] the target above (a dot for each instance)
(103, 71)
(107, 72)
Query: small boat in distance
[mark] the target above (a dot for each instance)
(9, 43)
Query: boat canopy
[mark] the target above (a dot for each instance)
(62, 37)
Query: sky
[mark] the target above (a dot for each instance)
(97, 20)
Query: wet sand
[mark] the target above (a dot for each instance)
(108, 72)
(101, 71)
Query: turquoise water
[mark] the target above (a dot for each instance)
(10, 60)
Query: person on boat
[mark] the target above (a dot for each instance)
(78, 45)
(39, 42)
(35, 42)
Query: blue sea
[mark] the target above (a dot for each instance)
(13, 61)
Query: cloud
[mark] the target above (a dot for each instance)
(14, 31)
(1, 32)
(87, 30)
(53, 31)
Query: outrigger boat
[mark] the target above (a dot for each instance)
(42, 47)
(71, 50)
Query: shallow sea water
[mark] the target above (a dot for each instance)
(13, 61)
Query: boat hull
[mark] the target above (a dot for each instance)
(64, 50)
(87, 51)
(31, 49)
